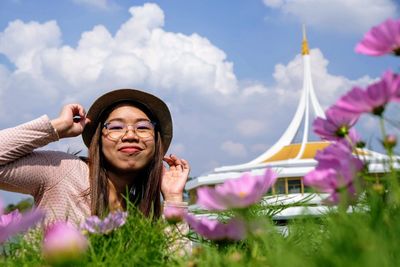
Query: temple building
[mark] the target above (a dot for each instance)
(291, 157)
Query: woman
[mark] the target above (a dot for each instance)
(127, 132)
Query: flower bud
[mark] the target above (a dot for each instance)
(174, 214)
(390, 141)
(236, 256)
(378, 188)
(63, 243)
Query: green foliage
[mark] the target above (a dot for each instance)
(23, 251)
(364, 237)
(23, 205)
(337, 239)
(140, 242)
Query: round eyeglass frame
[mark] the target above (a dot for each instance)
(118, 134)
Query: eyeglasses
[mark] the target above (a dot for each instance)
(116, 129)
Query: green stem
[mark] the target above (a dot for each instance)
(393, 183)
(388, 150)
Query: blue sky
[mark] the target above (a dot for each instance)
(230, 71)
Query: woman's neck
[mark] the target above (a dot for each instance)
(119, 182)
(118, 187)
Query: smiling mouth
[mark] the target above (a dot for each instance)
(130, 150)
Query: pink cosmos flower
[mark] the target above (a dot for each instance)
(63, 242)
(234, 229)
(373, 99)
(336, 170)
(174, 214)
(236, 193)
(396, 87)
(336, 125)
(6, 219)
(95, 225)
(381, 39)
(15, 222)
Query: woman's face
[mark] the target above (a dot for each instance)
(129, 152)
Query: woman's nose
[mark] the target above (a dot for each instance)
(130, 134)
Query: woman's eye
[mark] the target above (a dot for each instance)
(144, 126)
(115, 127)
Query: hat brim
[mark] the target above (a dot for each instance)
(156, 106)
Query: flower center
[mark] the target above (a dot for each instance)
(242, 194)
(360, 144)
(378, 110)
(396, 51)
(342, 131)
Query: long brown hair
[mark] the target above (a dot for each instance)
(145, 192)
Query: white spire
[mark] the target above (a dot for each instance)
(304, 44)
(308, 100)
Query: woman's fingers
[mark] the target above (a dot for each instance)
(78, 112)
(185, 165)
(176, 163)
(82, 111)
(71, 121)
(171, 160)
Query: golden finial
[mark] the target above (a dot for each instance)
(304, 44)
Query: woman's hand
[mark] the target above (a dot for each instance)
(71, 121)
(174, 178)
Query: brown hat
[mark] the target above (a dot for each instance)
(158, 109)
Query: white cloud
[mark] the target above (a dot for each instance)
(250, 127)
(141, 54)
(22, 42)
(188, 71)
(234, 149)
(4, 80)
(260, 114)
(100, 4)
(340, 15)
(289, 79)
(253, 89)
(273, 3)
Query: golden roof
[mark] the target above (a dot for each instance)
(291, 151)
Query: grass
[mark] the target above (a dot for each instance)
(365, 237)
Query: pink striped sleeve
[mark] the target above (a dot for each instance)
(21, 169)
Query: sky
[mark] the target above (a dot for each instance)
(230, 71)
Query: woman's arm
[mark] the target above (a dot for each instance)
(177, 232)
(27, 171)
(172, 186)
(22, 140)
(21, 169)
